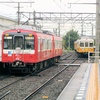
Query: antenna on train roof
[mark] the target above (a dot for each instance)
(48, 32)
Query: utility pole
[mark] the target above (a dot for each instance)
(59, 29)
(82, 30)
(18, 8)
(34, 18)
(18, 13)
(97, 31)
(92, 31)
(69, 40)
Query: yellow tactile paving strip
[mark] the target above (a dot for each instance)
(93, 89)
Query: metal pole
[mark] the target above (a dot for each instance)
(69, 40)
(59, 29)
(34, 19)
(18, 13)
(92, 31)
(97, 31)
(88, 57)
(82, 30)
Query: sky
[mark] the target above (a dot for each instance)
(47, 6)
(10, 9)
(62, 5)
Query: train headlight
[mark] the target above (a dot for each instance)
(6, 34)
(29, 34)
(18, 31)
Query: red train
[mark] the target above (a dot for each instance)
(28, 50)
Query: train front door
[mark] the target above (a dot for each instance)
(18, 48)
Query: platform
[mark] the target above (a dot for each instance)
(84, 85)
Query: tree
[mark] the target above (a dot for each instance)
(69, 39)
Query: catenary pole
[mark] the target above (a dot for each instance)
(97, 42)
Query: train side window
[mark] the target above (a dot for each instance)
(48, 44)
(55, 44)
(39, 44)
(43, 44)
(59, 44)
(51, 45)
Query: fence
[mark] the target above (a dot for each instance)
(93, 57)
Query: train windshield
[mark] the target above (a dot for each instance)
(21, 41)
(8, 42)
(24, 42)
(29, 42)
(18, 42)
(81, 44)
(86, 44)
(91, 44)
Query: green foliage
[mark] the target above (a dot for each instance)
(69, 38)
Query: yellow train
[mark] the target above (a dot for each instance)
(84, 45)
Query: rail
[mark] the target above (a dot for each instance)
(29, 97)
(3, 95)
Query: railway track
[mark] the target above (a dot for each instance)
(28, 97)
(22, 89)
(65, 56)
(6, 87)
(15, 82)
(4, 94)
(2, 77)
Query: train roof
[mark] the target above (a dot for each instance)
(35, 29)
(27, 27)
(84, 39)
(31, 28)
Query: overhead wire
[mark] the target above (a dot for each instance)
(58, 5)
(72, 24)
(12, 7)
(77, 1)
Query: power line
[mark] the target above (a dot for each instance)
(64, 4)
(85, 3)
(59, 6)
(77, 1)
(18, 8)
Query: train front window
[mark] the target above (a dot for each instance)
(81, 44)
(7, 42)
(86, 44)
(91, 44)
(18, 42)
(29, 42)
